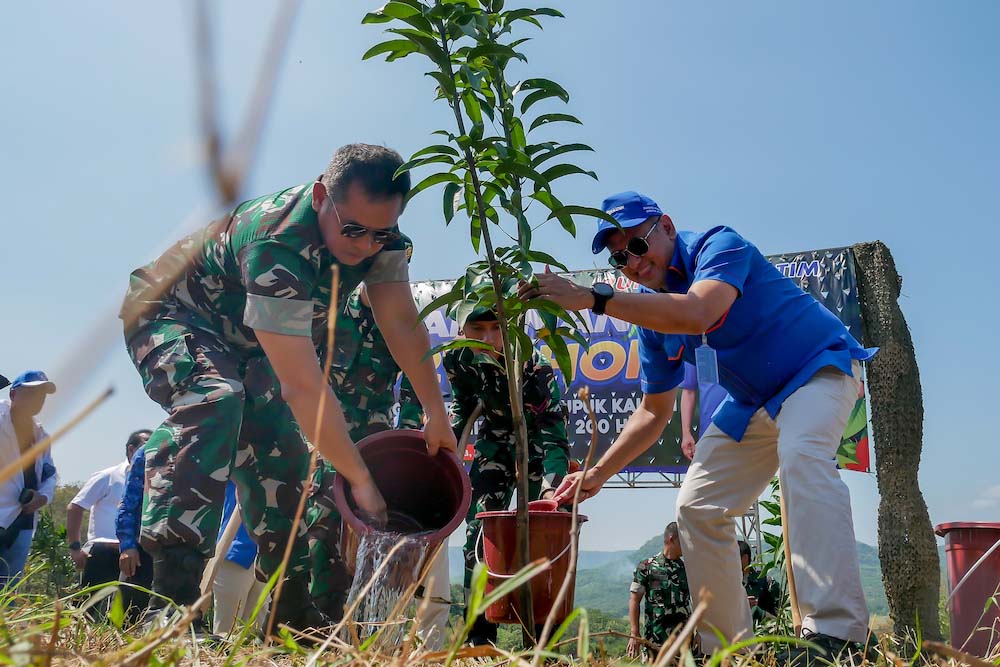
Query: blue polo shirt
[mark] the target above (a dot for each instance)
(770, 342)
(243, 551)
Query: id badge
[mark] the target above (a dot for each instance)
(706, 363)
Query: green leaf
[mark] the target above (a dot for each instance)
(536, 96)
(559, 150)
(558, 633)
(476, 232)
(398, 10)
(433, 179)
(436, 148)
(457, 343)
(518, 141)
(547, 118)
(494, 50)
(560, 170)
(523, 576)
(425, 43)
(117, 613)
(451, 191)
(582, 210)
(393, 46)
(446, 299)
(552, 203)
(445, 82)
(420, 162)
(544, 258)
(526, 172)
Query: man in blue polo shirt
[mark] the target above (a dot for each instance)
(792, 370)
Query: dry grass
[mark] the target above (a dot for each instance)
(35, 630)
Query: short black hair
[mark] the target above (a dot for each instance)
(670, 531)
(745, 550)
(135, 439)
(374, 167)
(488, 316)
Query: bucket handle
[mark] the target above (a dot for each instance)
(496, 575)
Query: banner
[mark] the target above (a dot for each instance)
(610, 367)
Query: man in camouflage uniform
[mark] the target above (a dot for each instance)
(363, 375)
(762, 593)
(224, 329)
(662, 583)
(478, 377)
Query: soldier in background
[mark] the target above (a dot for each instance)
(762, 593)
(662, 583)
(477, 376)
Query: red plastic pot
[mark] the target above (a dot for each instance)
(548, 537)
(422, 492)
(964, 544)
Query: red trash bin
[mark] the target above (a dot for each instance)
(973, 630)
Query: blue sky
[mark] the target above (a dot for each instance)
(802, 125)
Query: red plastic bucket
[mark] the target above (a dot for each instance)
(422, 492)
(964, 544)
(548, 537)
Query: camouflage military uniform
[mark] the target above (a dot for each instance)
(189, 329)
(363, 376)
(663, 584)
(766, 591)
(476, 378)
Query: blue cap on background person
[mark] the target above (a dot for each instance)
(629, 209)
(34, 379)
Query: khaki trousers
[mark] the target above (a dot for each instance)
(726, 477)
(432, 624)
(235, 594)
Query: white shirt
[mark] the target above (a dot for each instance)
(10, 451)
(101, 495)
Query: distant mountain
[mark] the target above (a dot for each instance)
(603, 577)
(606, 587)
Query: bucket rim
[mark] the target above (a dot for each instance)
(413, 439)
(943, 528)
(493, 514)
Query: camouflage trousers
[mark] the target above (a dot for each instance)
(226, 420)
(494, 481)
(330, 580)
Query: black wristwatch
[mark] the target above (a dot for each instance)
(74, 546)
(603, 293)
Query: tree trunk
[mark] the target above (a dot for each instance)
(906, 544)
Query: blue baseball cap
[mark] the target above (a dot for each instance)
(629, 209)
(34, 379)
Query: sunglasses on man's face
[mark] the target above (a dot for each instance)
(637, 246)
(353, 230)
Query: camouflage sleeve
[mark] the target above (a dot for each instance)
(461, 377)
(640, 578)
(279, 282)
(547, 423)
(411, 412)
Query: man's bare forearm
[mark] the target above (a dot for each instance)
(687, 410)
(633, 614)
(74, 519)
(329, 435)
(397, 318)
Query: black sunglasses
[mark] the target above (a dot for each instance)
(637, 246)
(353, 230)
